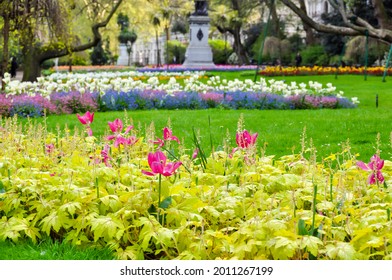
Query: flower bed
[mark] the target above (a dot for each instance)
(179, 67)
(320, 70)
(72, 93)
(147, 197)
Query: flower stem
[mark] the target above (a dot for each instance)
(313, 209)
(97, 187)
(159, 194)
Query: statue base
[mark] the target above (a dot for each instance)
(199, 53)
(123, 58)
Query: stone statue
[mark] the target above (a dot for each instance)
(201, 8)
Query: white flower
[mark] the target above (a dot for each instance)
(355, 100)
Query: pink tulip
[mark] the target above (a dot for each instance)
(158, 165)
(195, 153)
(244, 139)
(105, 156)
(375, 165)
(49, 148)
(87, 118)
(122, 140)
(167, 136)
(116, 127)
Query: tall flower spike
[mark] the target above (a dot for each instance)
(244, 139)
(375, 165)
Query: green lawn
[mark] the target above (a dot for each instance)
(280, 130)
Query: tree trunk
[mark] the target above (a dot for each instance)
(239, 48)
(381, 14)
(310, 39)
(4, 63)
(158, 53)
(274, 20)
(31, 64)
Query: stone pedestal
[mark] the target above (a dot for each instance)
(198, 53)
(123, 57)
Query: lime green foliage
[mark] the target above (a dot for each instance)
(248, 206)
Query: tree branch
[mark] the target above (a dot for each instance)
(355, 25)
(52, 53)
(319, 26)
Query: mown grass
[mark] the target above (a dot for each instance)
(280, 131)
(51, 250)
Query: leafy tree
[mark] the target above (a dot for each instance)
(45, 28)
(164, 13)
(179, 26)
(230, 16)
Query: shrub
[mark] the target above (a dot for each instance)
(274, 49)
(127, 36)
(80, 58)
(31, 106)
(99, 56)
(47, 64)
(118, 101)
(220, 52)
(5, 105)
(313, 55)
(356, 50)
(176, 52)
(74, 102)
